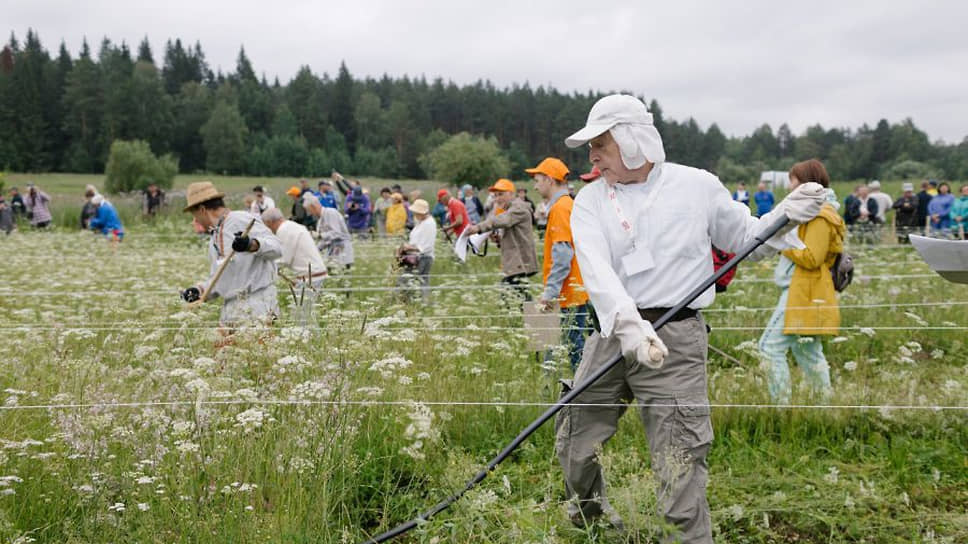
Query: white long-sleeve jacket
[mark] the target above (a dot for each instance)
(691, 212)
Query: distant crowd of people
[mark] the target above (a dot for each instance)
(934, 211)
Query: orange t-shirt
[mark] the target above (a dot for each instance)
(559, 230)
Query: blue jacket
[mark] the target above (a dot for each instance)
(106, 220)
(764, 202)
(328, 200)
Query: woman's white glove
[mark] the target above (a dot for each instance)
(804, 203)
(639, 341)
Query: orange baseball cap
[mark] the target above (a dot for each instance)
(294, 191)
(502, 185)
(551, 167)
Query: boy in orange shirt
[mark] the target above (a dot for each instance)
(562, 278)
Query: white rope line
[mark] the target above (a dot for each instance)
(529, 285)
(362, 289)
(341, 319)
(465, 329)
(525, 404)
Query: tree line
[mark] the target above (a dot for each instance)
(60, 113)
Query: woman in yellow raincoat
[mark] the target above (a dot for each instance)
(807, 308)
(396, 215)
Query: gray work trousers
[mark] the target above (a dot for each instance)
(676, 421)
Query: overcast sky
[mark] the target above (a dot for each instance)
(738, 64)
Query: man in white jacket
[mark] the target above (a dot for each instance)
(299, 254)
(642, 235)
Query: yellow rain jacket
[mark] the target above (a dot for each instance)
(812, 303)
(396, 218)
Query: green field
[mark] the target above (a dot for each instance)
(336, 432)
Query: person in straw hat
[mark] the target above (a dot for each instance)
(642, 234)
(247, 286)
(421, 240)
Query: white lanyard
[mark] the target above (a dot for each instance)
(627, 225)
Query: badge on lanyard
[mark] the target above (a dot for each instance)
(638, 260)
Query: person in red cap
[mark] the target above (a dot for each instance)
(518, 258)
(457, 218)
(562, 279)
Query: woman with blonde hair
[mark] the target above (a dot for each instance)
(807, 308)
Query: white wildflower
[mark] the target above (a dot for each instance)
(849, 501)
(198, 385)
(838, 339)
(832, 476)
(143, 480)
(937, 353)
(850, 366)
(867, 331)
(116, 507)
(310, 391)
(182, 428)
(143, 506)
(204, 364)
(389, 365)
(736, 512)
(916, 318)
(904, 351)
(252, 419)
(184, 446)
(405, 380)
(914, 346)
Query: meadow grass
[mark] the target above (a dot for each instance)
(85, 324)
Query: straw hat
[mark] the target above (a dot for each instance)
(420, 206)
(200, 191)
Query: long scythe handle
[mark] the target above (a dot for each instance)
(578, 389)
(221, 269)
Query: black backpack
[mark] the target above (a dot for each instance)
(842, 271)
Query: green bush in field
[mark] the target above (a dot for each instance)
(908, 169)
(466, 159)
(132, 166)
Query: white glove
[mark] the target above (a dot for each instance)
(639, 341)
(804, 203)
